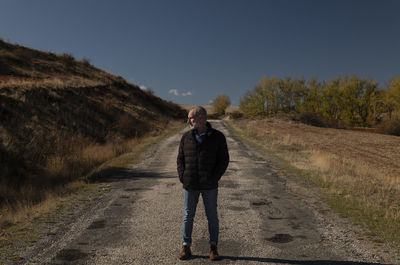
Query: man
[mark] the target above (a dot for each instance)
(202, 160)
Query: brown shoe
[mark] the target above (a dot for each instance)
(214, 253)
(185, 253)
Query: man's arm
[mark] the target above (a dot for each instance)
(181, 161)
(222, 157)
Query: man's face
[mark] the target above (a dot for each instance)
(193, 120)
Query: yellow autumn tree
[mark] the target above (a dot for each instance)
(220, 103)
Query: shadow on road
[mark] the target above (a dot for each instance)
(119, 173)
(285, 261)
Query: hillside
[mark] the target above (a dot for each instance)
(54, 109)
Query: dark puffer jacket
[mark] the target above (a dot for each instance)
(200, 167)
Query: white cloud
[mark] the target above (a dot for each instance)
(186, 93)
(210, 101)
(143, 87)
(174, 91)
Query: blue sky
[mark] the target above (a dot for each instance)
(190, 51)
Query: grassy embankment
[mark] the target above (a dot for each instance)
(106, 157)
(356, 173)
(61, 118)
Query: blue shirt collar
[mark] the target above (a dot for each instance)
(199, 137)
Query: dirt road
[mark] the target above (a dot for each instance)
(263, 219)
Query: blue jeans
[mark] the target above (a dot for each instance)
(191, 198)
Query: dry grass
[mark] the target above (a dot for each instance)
(358, 173)
(24, 212)
(24, 224)
(94, 158)
(53, 82)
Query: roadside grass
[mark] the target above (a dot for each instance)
(358, 182)
(25, 223)
(135, 155)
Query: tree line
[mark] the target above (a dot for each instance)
(348, 100)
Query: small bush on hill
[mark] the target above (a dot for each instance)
(86, 62)
(310, 118)
(68, 60)
(236, 114)
(391, 127)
